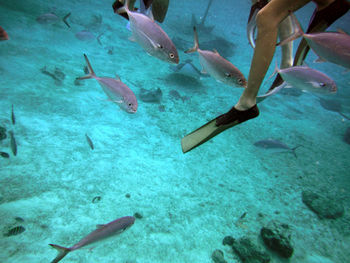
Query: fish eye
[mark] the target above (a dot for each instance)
(228, 75)
(171, 55)
(130, 104)
(322, 84)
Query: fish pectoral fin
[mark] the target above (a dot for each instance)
(117, 77)
(155, 45)
(132, 38)
(314, 84)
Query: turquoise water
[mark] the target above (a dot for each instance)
(189, 202)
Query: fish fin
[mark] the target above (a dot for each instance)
(63, 251)
(215, 51)
(341, 31)
(117, 77)
(124, 8)
(132, 38)
(100, 226)
(65, 19)
(196, 45)
(298, 31)
(91, 71)
(293, 150)
(314, 84)
(320, 60)
(275, 71)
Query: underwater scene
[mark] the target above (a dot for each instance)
(119, 135)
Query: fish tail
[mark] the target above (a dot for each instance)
(63, 251)
(293, 150)
(91, 71)
(65, 19)
(196, 45)
(298, 31)
(124, 8)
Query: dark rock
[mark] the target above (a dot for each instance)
(2, 133)
(324, 206)
(276, 236)
(127, 195)
(347, 136)
(228, 240)
(218, 256)
(138, 215)
(249, 252)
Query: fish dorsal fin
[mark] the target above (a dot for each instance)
(100, 226)
(215, 51)
(117, 77)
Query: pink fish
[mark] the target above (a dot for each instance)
(102, 232)
(218, 67)
(329, 46)
(3, 34)
(116, 90)
(150, 36)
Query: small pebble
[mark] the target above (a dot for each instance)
(127, 195)
(138, 215)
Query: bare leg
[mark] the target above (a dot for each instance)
(268, 20)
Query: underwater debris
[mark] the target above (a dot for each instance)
(4, 155)
(15, 231)
(89, 141)
(96, 199)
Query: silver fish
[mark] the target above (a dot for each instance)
(275, 144)
(102, 232)
(150, 36)
(216, 66)
(305, 78)
(329, 46)
(13, 143)
(116, 90)
(51, 18)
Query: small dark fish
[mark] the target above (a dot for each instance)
(19, 219)
(15, 231)
(89, 141)
(13, 118)
(13, 143)
(275, 144)
(4, 155)
(96, 199)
